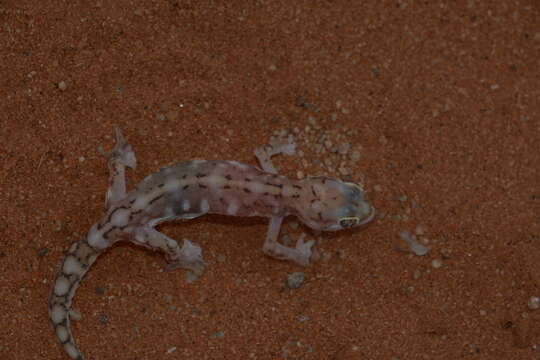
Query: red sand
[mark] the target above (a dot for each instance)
(441, 104)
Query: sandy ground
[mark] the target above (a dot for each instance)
(435, 107)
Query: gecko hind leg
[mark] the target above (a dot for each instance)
(119, 157)
(301, 254)
(188, 257)
(274, 147)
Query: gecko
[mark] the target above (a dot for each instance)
(191, 189)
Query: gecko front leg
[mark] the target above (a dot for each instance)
(302, 253)
(275, 147)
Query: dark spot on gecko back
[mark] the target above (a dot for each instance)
(155, 199)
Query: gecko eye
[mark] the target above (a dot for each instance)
(347, 222)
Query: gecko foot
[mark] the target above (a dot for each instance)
(190, 259)
(304, 250)
(121, 153)
(300, 254)
(276, 146)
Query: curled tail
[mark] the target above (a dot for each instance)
(74, 266)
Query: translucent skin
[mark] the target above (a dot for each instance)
(191, 189)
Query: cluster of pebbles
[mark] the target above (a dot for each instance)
(330, 151)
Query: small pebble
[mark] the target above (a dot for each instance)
(218, 335)
(42, 252)
(355, 156)
(62, 85)
(534, 303)
(445, 253)
(344, 171)
(420, 229)
(99, 290)
(295, 280)
(221, 258)
(436, 263)
(343, 149)
(417, 248)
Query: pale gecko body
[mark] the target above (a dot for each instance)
(191, 189)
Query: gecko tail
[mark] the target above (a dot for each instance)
(78, 260)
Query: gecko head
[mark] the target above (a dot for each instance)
(330, 205)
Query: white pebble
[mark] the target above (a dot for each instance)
(417, 248)
(62, 85)
(436, 263)
(534, 303)
(420, 229)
